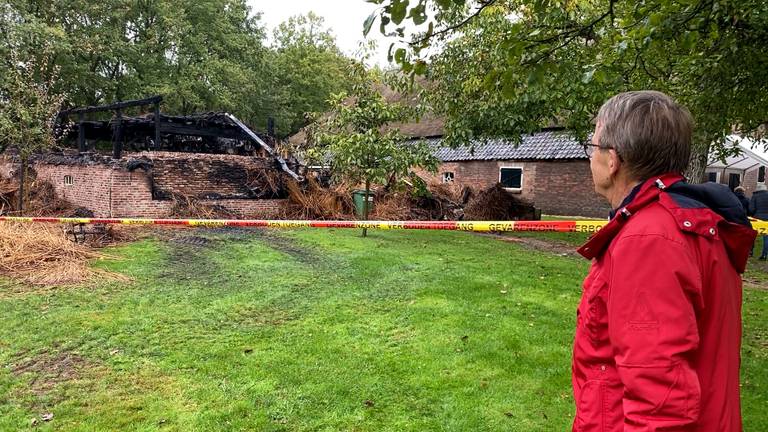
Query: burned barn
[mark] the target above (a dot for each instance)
(155, 165)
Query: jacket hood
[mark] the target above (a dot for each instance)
(711, 203)
(716, 197)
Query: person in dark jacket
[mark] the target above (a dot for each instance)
(658, 333)
(758, 208)
(739, 192)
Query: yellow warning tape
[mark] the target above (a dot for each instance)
(585, 226)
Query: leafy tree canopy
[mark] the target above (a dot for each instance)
(201, 55)
(311, 67)
(507, 67)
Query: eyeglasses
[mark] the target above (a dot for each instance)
(589, 149)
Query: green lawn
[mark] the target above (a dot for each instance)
(316, 330)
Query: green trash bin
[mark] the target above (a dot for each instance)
(358, 197)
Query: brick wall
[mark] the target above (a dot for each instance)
(111, 190)
(483, 174)
(566, 188)
(202, 175)
(555, 187)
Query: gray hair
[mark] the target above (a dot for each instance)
(650, 132)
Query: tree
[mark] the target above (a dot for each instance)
(511, 66)
(311, 69)
(28, 111)
(202, 55)
(361, 137)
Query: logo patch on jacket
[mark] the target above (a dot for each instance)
(641, 317)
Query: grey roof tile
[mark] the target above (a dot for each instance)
(545, 145)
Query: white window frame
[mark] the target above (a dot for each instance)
(446, 175)
(69, 180)
(522, 177)
(717, 175)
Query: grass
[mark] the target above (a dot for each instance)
(312, 330)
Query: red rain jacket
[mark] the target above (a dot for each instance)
(659, 323)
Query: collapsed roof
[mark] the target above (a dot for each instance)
(216, 132)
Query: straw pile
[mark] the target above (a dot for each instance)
(185, 206)
(312, 201)
(40, 198)
(266, 184)
(394, 206)
(495, 203)
(42, 255)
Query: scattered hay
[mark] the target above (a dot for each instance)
(312, 201)
(43, 255)
(185, 206)
(443, 202)
(266, 184)
(42, 200)
(395, 206)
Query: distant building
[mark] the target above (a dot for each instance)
(746, 169)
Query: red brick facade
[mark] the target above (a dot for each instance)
(555, 187)
(112, 190)
(201, 175)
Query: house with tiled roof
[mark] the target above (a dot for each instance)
(745, 167)
(548, 168)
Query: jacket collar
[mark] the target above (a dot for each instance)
(644, 194)
(628, 199)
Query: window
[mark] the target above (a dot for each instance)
(712, 177)
(761, 175)
(734, 180)
(511, 178)
(448, 177)
(68, 180)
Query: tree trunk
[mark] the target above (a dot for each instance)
(696, 172)
(22, 170)
(365, 205)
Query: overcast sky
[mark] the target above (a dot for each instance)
(344, 17)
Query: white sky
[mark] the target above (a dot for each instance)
(344, 17)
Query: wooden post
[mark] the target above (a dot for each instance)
(80, 133)
(156, 145)
(117, 146)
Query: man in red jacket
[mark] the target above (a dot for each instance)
(659, 323)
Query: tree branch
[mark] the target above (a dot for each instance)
(571, 35)
(483, 5)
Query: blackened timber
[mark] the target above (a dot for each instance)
(265, 146)
(117, 144)
(207, 131)
(115, 106)
(80, 133)
(156, 143)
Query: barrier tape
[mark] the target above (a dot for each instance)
(587, 226)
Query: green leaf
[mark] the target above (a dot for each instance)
(418, 14)
(368, 24)
(420, 68)
(600, 76)
(400, 55)
(398, 10)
